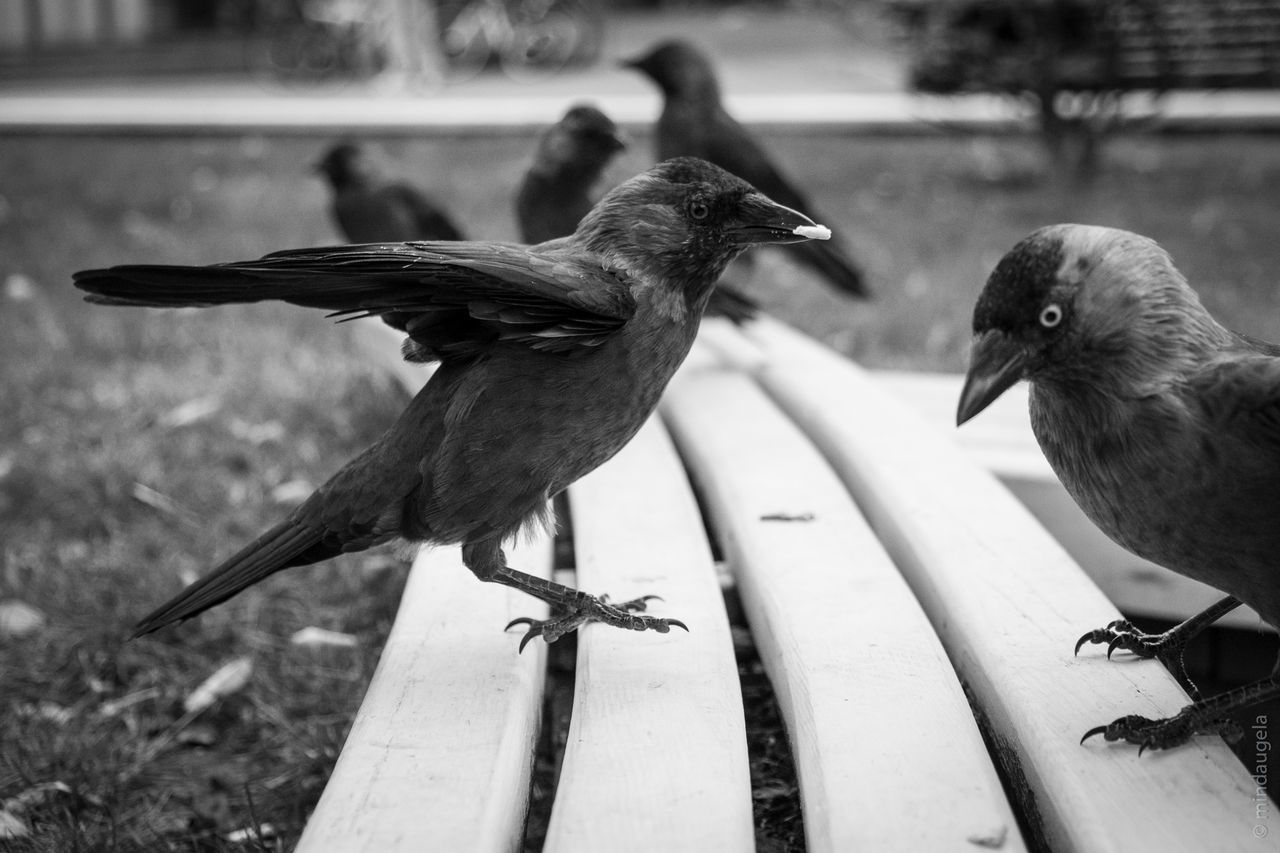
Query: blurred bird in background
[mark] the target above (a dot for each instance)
(557, 190)
(694, 123)
(551, 358)
(1163, 425)
(369, 208)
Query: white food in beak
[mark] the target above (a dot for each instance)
(813, 232)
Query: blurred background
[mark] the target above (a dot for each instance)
(136, 446)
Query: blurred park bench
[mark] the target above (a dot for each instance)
(1074, 60)
(915, 621)
(1090, 45)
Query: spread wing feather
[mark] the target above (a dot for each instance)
(453, 299)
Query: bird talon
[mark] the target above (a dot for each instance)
(645, 623)
(1121, 634)
(549, 630)
(1165, 733)
(635, 605)
(1133, 728)
(662, 626)
(1109, 633)
(592, 608)
(1096, 730)
(529, 635)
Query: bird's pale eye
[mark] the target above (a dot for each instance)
(1051, 315)
(698, 210)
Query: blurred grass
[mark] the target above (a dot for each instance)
(137, 447)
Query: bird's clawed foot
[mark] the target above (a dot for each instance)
(1166, 648)
(1121, 634)
(626, 614)
(1167, 733)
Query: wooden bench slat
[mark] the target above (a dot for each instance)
(657, 754)
(1001, 441)
(440, 755)
(1009, 605)
(887, 752)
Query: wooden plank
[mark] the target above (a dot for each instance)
(1009, 604)
(657, 753)
(1002, 442)
(440, 755)
(887, 751)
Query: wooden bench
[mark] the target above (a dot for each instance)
(915, 621)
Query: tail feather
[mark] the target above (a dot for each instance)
(283, 546)
(831, 261)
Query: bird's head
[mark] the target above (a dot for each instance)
(678, 68)
(1082, 307)
(584, 139)
(345, 164)
(679, 224)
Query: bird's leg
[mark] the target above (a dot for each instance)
(1206, 716)
(1166, 647)
(572, 608)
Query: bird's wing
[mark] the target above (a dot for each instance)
(454, 299)
(430, 220)
(1239, 394)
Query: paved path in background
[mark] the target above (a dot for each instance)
(187, 110)
(782, 69)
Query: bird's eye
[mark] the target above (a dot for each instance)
(698, 210)
(1051, 315)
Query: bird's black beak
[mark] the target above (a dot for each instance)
(761, 220)
(996, 363)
